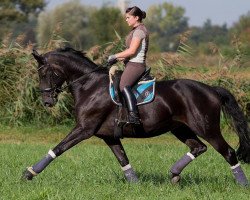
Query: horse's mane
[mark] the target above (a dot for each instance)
(77, 55)
(72, 51)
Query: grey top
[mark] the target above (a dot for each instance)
(142, 33)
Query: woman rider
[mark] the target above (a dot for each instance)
(134, 58)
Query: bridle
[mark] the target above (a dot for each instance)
(53, 89)
(58, 89)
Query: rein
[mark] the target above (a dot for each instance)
(80, 78)
(106, 65)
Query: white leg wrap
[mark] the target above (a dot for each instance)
(30, 169)
(52, 154)
(191, 155)
(126, 167)
(235, 166)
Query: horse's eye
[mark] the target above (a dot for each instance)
(42, 74)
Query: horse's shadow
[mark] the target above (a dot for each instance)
(186, 179)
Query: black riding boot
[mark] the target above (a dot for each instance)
(130, 100)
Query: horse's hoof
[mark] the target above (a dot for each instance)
(175, 178)
(132, 179)
(243, 184)
(131, 176)
(27, 175)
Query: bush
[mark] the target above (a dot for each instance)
(20, 99)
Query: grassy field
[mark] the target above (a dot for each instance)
(90, 170)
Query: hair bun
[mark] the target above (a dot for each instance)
(143, 15)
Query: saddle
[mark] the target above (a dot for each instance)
(144, 91)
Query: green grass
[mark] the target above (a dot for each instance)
(90, 170)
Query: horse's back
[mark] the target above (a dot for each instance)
(187, 89)
(183, 100)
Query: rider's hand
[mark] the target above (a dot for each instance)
(112, 59)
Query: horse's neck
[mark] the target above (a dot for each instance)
(84, 76)
(73, 73)
(90, 84)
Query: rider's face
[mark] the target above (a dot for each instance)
(131, 20)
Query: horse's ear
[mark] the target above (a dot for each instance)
(38, 57)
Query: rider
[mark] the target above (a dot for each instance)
(134, 58)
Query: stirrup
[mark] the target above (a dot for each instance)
(133, 118)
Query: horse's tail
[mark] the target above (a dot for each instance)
(232, 109)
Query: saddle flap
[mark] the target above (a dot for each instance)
(144, 90)
(146, 75)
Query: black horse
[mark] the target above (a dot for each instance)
(187, 108)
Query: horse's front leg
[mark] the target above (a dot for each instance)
(74, 137)
(117, 148)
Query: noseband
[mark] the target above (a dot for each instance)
(58, 89)
(55, 89)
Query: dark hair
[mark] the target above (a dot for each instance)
(135, 11)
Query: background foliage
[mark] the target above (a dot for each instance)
(21, 102)
(84, 26)
(216, 55)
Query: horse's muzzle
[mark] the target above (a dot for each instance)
(49, 102)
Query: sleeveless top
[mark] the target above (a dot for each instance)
(141, 32)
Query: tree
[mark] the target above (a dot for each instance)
(18, 12)
(81, 25)
(72, 18)
(166, 22)
(104, 23)
(210, 33)
(242, 28)
(240, 33)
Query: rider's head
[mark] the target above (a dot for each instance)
(136, 12)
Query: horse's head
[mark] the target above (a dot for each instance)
(50, 79)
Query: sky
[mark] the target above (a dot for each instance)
(198, 11)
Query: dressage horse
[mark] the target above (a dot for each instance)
(187, 108)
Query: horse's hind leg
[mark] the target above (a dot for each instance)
(220, 145)
(197, 147)
(117, 148)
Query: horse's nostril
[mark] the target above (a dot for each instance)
(47, 104)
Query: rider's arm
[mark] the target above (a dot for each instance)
(131, 51)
